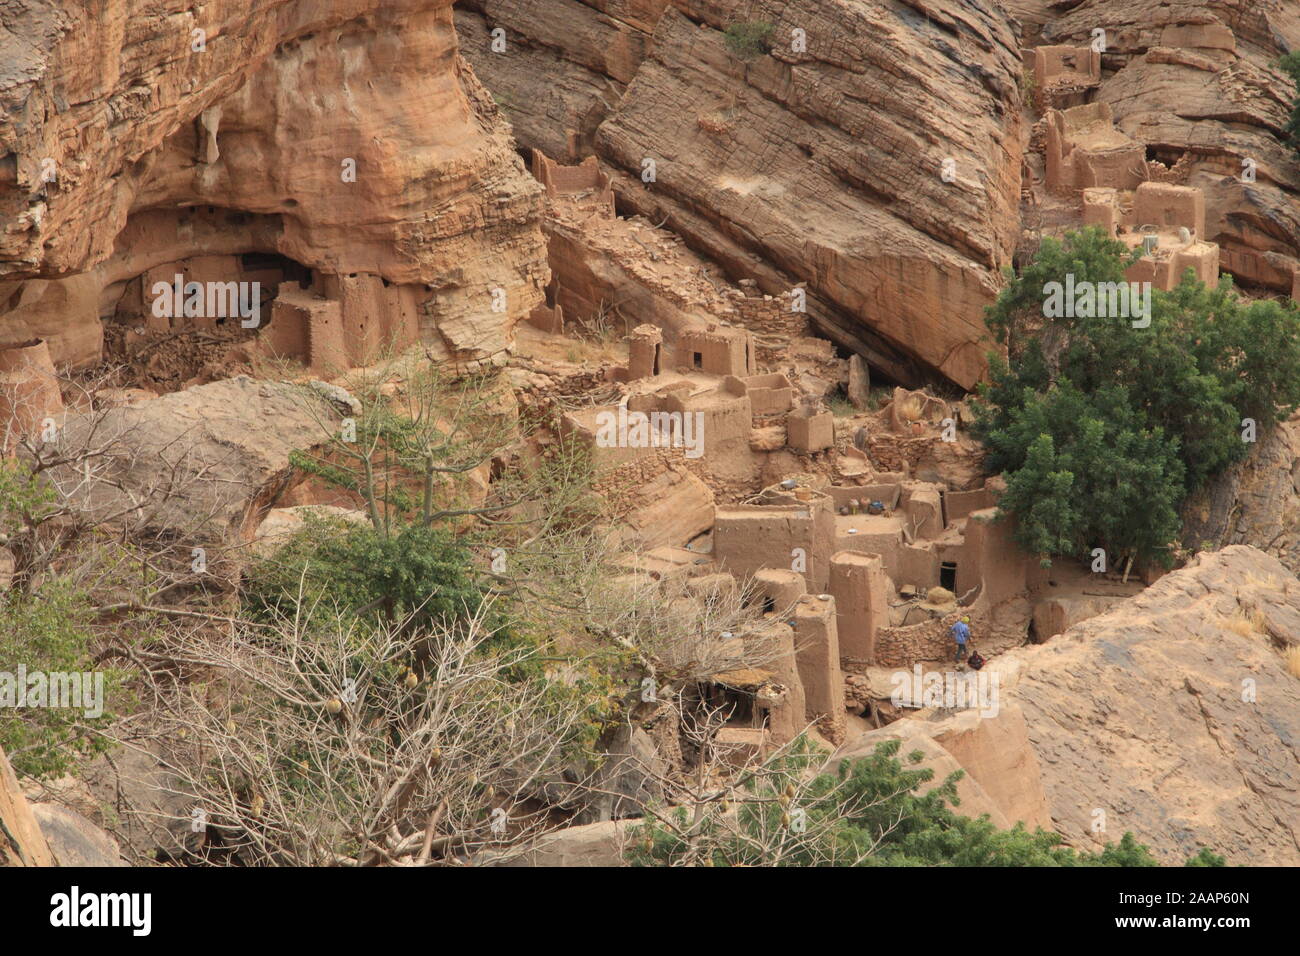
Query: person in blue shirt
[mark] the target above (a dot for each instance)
(961, 634)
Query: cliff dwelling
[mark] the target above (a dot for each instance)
(565, 433)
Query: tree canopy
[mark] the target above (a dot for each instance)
(1103, 424)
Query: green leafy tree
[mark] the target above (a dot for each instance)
(1102, 428)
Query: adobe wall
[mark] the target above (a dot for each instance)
(726, 422)
(918, 565)
(809, 430)
(1084, 149)
(887, 494)
(1165, 267)
(749, 538)
(818, 655)
(644, 352)
(1169, 206)
(959, 504)
(781, 587)
(769, 394)
(861, 591)
(875, 534)
(1064, 75)
(992, 558)
(561, 180)
(787, 721)
(923, 506)
(712, 348)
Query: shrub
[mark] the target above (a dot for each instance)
(418, 574)
(749, 39)
(49, 632)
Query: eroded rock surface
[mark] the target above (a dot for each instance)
(1174, 715)
(137, 143)
(820, 163)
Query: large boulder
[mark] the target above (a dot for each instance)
(1173, 714)
(207, 461)
(593, 844)
(74, 839)
(1001, 776)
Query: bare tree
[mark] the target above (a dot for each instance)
(330, 745)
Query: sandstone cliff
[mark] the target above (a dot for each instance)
(820, 162)
(144, 135)
(1255, 502)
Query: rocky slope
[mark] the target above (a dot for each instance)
(819, 163)
(1171, 715)
(138, 142)
(1174, 715)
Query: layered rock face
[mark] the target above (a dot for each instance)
(1197, 83)
(560, 67)
(348, 137)
(821, 163)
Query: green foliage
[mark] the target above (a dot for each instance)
(869, 814)
(24, 499)
(49, 632)
(1102, 429)
(45, 628)
(1091, 474)
(410, 454)
(419, 573)
(748, 39)
(1207, 857)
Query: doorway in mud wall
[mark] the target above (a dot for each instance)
(948, 575)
